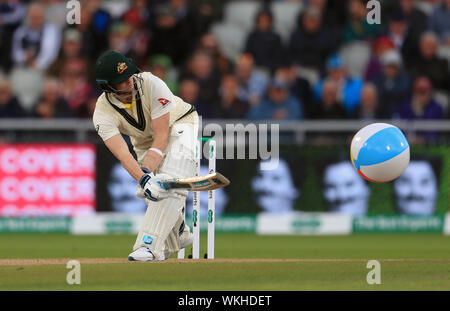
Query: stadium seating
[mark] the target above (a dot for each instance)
(230, 38)
(242, 13)
(444, 52)
(356, 55)
(443, 99)
(27, 85)
(425, 7)
(285, 17)
(56, 13)
(310, 74)
(116, 7)
(239, 19)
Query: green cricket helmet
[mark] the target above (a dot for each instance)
(113, 68)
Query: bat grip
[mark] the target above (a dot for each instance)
(163, 185)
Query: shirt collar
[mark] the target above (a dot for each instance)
(119, 104)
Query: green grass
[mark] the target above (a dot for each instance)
(426, 264)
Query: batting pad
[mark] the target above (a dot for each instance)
(160, 218)
(173, 241)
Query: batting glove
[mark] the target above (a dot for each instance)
(151, 188)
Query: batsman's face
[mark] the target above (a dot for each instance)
(416, 189)
(344, 190)
(125, 91)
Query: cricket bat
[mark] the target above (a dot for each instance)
(197, 183)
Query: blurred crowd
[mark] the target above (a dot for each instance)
(46, 65)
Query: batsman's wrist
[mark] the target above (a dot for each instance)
(156, 150)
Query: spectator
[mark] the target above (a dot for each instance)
(404, 40)
(12, 12)
(263, 43)
(189, 90)
(70, 49)
(87, 110)
(369, 107)
(138, 37)
(439, 21)
(130, 39)
(187, 17)
(299, 87)
(9, 104)
(118, 37)
(428, 6)
(278, 105)
(75, 87)
(164, 35)
(139, 13)
(159, 65)
(208, 43)
(429, 64)
(416, 19)
(329, 16)
(357, 28)
(230, 106)
(97, 21)
(252, 83)
(36, 43)
(329, 107)
(51, 104)
(201, 68)
(208, 12)
(11, 15)
(339, 10)
(312, 42)
(174, 30)
(375, 66)
(349, 88)
(393, 84)
(422, 105)
(94, 30)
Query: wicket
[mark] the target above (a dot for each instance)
(196, 203)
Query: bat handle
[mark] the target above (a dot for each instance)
(163, 185)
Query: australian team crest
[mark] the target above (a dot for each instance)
(121, 67)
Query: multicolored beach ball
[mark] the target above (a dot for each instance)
(380, 152)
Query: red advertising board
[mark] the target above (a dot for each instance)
(47, 179)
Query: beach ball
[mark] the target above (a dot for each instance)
(379, 152)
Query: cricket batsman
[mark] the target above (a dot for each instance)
(163, 131)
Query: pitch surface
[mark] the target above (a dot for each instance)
(244, 262)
